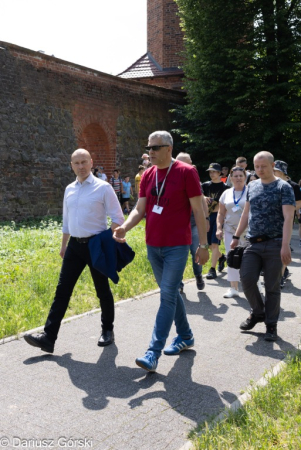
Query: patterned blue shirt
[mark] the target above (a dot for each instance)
(266, 200)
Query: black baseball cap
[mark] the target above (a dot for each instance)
(215, 166)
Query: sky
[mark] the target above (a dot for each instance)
(106, 35)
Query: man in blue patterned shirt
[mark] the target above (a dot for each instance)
(268, 213)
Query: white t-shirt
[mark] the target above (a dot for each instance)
(233, 217)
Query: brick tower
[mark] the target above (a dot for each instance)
(164, 36)
(160, 65)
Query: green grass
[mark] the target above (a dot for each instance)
(270, 420)
(29, 271)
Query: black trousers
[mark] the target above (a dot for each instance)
(76, 258)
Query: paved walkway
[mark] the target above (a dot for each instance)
(83, 396)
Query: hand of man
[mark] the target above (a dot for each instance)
(201, 256)
(286, 255)
(63, 251)
(219, 234)
(119, 235)
(208, 200)
(234, 243)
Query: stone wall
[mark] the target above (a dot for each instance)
(49, 107)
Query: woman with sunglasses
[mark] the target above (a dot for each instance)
(231, 205)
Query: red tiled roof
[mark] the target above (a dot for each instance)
(146, 67)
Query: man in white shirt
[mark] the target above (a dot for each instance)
(87, 202)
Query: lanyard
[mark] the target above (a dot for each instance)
(162, 186)
(237, 201)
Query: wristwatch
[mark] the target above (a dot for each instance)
(205, 246)
(235, 237)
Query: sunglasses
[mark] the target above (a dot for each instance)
(237, 168)
(155, 147)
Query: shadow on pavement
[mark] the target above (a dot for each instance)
(105, 380)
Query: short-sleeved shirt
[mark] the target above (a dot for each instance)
(214, 191)
(127, 189)
(172, 226)
(137, 182)
(296, 189)
(266, 201)
(233, 217)
(116, 183)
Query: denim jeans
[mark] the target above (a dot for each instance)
(197, 269)
(76, 258)
(263, 256)
(168, 264)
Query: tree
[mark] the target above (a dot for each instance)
(243, 78)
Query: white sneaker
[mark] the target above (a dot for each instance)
(231, 292)
(260, 287)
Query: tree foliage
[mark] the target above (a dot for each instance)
(243, 78)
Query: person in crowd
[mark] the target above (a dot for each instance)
(241, 161)
(116, 183)
(224, 174)
(95, 172)
(280, 171)
(197, 268)
(127, 192)
(146, 161)
(101, 174)
(268, 213)
(252, 176)
(138, 179)
(231, 205)
(87, 202)
(212, 191)
(168, 191)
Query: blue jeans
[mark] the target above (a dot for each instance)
(168, 264)
(197, 269)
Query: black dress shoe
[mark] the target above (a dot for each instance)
(250, 322)
(41, 341)
(106, 338)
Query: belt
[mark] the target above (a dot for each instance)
(83, 240)
(263, 238)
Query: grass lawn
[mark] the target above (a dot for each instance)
(271, 420)
(29, 270)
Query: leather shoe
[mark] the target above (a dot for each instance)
(41, 341)
(106, 338)
(250, 322)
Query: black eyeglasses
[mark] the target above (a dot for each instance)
(156, 147)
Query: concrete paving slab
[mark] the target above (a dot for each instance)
(84, 396)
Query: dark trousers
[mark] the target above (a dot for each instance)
(263, 256)
(76, 258)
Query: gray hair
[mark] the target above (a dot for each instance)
(164, 135)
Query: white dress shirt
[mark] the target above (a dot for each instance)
(87, 205)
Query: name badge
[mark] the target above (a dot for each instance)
(157, 209)
(236, 208)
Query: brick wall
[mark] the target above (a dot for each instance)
(49, 107)
(164, 35)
